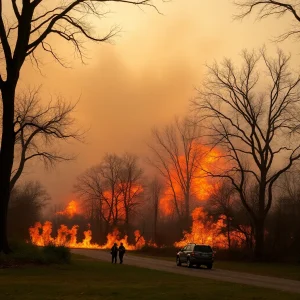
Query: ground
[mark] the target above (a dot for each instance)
(280, 270)
(216, 274)
(93, 279)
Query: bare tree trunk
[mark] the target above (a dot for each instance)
(6, 159)
(155, 221)
(259, 239)
(187, 208)
(228, 232)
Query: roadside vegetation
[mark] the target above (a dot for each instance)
(25, 254)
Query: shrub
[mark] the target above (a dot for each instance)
(26, 253)
(57, 254)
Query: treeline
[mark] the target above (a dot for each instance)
(282, 233)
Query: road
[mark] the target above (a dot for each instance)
(215, 274)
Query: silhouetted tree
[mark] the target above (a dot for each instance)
(176, 155)
(155, 191)
(221, 203)
(38, 128)
(112, 190)
(131, 187)
(21, 34)
(89, 189)
(256, 127)
(25, 207)
(269, 8)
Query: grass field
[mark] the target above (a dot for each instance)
(287, 271)
(90, 279)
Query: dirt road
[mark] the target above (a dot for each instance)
(216, 274)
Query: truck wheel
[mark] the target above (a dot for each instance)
(178, 262)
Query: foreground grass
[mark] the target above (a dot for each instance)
(280, 270)
(91, 279)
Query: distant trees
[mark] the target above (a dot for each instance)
(176, 154)
(284, 226)
(37, 128)
(112, 191)
(25, 208)
(23, 32)
(255, 128)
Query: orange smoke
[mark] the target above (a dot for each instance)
(71, 209)
(40, 235)
(206, 231)
(201, 186)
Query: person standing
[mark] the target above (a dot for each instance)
(121, 252)
(114, 253)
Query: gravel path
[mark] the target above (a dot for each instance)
(216, 274)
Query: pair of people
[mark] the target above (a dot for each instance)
(114, 253)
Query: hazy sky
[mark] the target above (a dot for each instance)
(145, 77)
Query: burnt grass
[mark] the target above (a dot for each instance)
(85, 278)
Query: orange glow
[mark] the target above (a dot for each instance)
(119, 200)
(201, 186)
(71, 209)
(41, 236)
(206, 231)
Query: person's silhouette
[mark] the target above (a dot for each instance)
(114, 253)
(121, 252)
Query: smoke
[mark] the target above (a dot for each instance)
(141, 80)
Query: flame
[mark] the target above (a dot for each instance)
(71, 209)
(201, 185)
(40, 235)
(205, 230)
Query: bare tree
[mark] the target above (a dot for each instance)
(38, 128)
(27, 30)
(98, 189)
(221, 203)
(256, 125)
(97, 207)
(112, 190)
(155, 191)
(110, 170)
(176, 156)
(130, 185)
(27, 201)
(269, 8)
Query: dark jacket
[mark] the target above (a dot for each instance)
(114, 250)
(122, 249)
